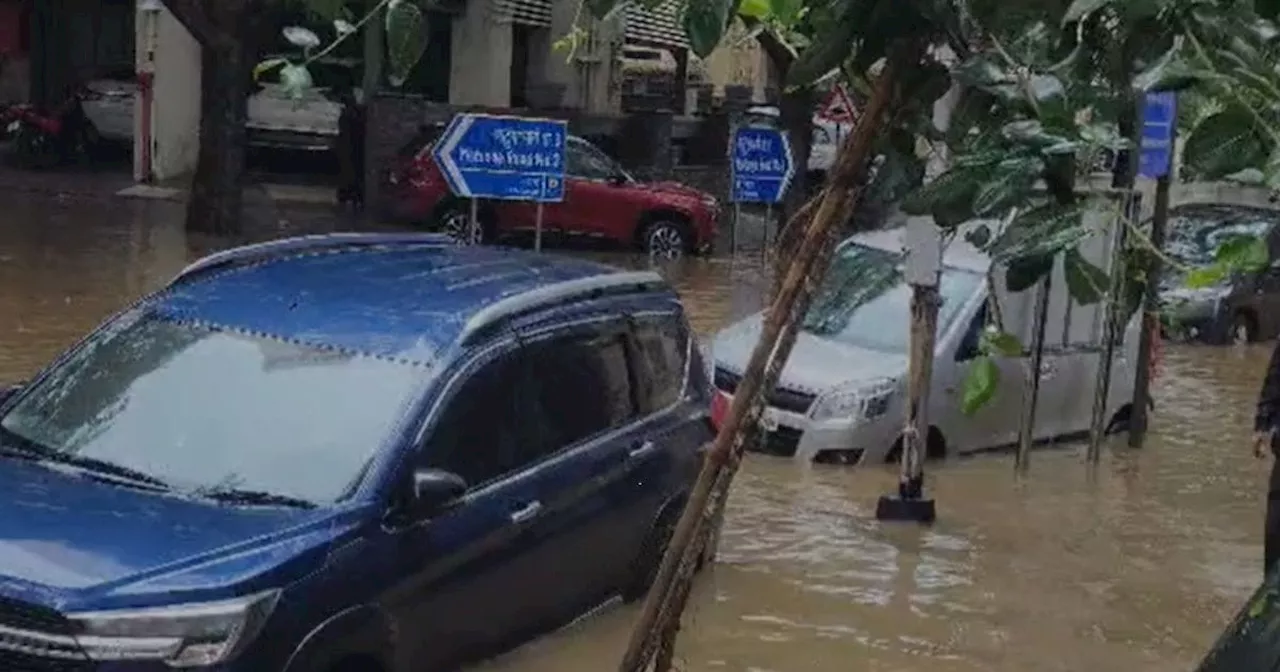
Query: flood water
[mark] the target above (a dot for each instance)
(1136, 566)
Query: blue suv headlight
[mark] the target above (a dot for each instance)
(184, 635)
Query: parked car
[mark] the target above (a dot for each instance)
(275, 119)
(842, 392)
(361, 452)
(1244, 308)
(601, 200)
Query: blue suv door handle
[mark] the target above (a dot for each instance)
(529, 512)
(642, 451)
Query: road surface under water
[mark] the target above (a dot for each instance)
(1133, 567)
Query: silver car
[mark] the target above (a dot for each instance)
(841, 394)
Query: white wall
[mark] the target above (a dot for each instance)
(175, 108)
(481, 70)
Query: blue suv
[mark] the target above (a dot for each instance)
(359, 452)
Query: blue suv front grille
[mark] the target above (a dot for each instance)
(37, 639)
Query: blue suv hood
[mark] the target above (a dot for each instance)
(66, 539)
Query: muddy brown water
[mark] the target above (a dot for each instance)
(1136, 566)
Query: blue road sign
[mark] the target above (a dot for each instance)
(761, 165)
(509, 158)
(1159, 117)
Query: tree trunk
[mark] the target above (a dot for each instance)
(661, 605)
(216, 201)
(796, 111)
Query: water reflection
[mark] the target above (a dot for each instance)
(1136, 567)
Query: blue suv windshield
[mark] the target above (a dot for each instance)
(203, 410)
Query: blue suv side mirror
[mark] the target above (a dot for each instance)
(434, 488)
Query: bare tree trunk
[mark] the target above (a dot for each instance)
(662, 603)
(216, 201)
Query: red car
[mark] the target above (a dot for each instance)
(601, 201)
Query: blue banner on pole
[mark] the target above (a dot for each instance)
(503, 157)
(761, 166)
(1159, 118)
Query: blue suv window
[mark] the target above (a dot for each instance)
(202, 409)
(489, 428)
(663, 361)
(584, 387)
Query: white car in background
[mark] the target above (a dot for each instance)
(275, 119)
(842, 393)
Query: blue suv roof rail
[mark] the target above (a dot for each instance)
(558, 293)
(248, 254)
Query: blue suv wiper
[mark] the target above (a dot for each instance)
(91, 465)
(253, 498)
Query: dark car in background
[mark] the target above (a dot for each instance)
(1243, 308)
(346, 453)
(601, 201)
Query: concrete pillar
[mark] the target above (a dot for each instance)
(166, 48)
(481, 71)
(591, 80)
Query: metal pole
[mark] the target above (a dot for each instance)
(474, 233)
(1110, 330)
(1150, 321)
(1031, 393)
(537, 229)
(764, 239)
(733, 232)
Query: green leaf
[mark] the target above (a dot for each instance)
(1242, 254)
(980, 71)
(1172, 71)
(1011, 185)
(1024, 272)
(979, 236)
(1206, 276)
(1044, 229)
(1086, 282)
(980, 385)
(755, 9)
(833, 44)
(705, 22)
(266, 66)
(407, 37)
(996, 343)
(1225, 143)
(295, 80)
(1082, 8)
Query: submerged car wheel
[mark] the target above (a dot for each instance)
(455, 222)
(1243, 329)
(645, 569)
(665, 239)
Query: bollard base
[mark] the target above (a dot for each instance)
(895, 508)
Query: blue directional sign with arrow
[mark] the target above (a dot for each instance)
(761, 165)
(503, 157)
(1159, 116)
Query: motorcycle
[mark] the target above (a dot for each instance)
(50, 138)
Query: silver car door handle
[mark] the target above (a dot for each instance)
(642, 451)
(530, 510)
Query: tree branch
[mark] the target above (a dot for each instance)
(773, 46)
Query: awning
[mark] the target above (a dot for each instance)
(659, 27)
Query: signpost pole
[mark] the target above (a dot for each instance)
(537, 229)
(473, 231)
(733, 234)
(1150, 321)
(764, 238)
